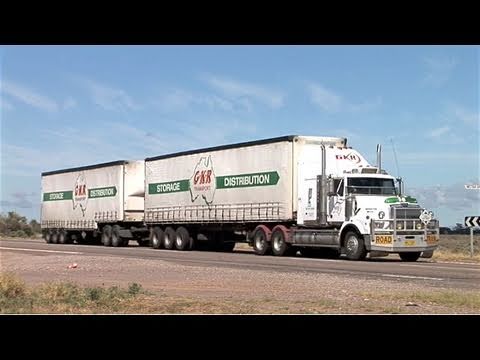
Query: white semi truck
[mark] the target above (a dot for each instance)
(93, 204)
(281, 195)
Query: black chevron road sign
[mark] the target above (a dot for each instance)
(472, 221)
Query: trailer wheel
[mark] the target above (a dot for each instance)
(157, 237)
(62, 237)
(107, 235)
(354, 246)
(169, 237)
(115, 236)
(280, 247)
(182, 238)
(409, 256)
(261, 237)
(54, 237)
(47, 235)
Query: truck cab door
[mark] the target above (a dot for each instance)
(336, 203)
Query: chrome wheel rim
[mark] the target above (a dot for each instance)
(259, 242)
(278, 242)
(352, 244)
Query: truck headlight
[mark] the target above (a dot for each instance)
(419, 226)
(399, 226)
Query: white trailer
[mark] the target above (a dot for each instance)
(282, 195)
(97, 203)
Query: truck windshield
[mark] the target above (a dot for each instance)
(370, 186)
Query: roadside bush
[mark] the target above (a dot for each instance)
(11, 286)
(16, 225)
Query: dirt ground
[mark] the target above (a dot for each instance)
(175, 288)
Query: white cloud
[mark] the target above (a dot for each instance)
(243, 91)
(465, 116)
(439, 70)
(421, 158)
(330, 101)
(438, 131)
(69, 103)
(454, 196)
(326, 99)
(28, 96)
(178, 100)
(108, 97)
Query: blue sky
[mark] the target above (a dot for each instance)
(65, 106)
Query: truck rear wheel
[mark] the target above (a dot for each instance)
(116, 239)
(62, 237)
(54, 237)
(47, 235)
(107, 235)
(280, 247)
(409, 256)
(157, 237)
(169, 237)
(354, 246)
(182, 239)
(261, 237)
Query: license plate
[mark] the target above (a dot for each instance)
(409, 242)
(383, 239)
(431, 239)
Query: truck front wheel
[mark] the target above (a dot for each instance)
(354, 246)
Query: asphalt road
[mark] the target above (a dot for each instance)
(451, 275)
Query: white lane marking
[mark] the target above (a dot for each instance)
(49, 251)
(412, 277)
(442, 267)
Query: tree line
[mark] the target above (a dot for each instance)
(16, 225)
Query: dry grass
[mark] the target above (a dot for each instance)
(446, 300)
(63, 298)
(457, 248)
(69, 298)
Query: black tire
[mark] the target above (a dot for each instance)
(47, 235)
(280, 247)
(409, 256)
(117, 241)
(107, 235)
(157, 238)
(62, 237)
(169, 236)
(354, 246)
(182, 239)
(261, 245)
(54, 237)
